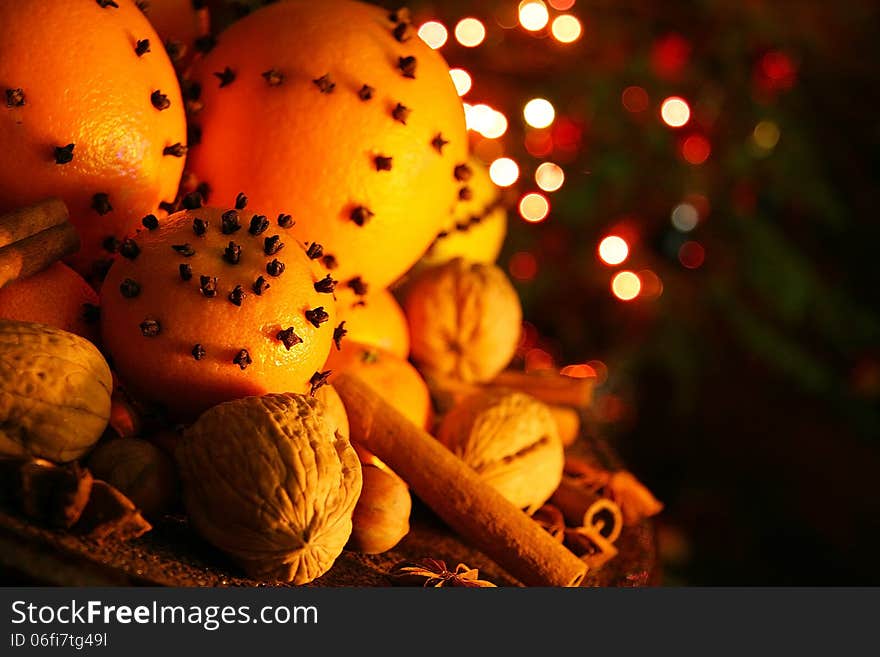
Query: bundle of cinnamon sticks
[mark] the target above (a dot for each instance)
(34, 237)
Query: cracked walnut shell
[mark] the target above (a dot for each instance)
(270, 481)
(511, 440)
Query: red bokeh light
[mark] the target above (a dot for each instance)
(635, 99)
(776, 71)
(691, 255)
(696, 149)
(523, 266)
(669, 56)
(538, 359)
(579, 371)
(539, 143)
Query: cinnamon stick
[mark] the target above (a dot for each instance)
(548, 387)
(25, 222)
(35, 253)
(455, 492)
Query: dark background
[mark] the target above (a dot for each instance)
(746, 394)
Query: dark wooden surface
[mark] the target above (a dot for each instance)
(173, 555)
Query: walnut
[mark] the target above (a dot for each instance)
(271, 481)
(140, 470)
(465, 320)
(511, 440)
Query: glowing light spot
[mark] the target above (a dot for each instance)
(685, 217)
(434, 34)
(652, 286)
(562, 5)
(534, 207)
(579, 371)
(675, 112)
(470, 32)
(462, 80)
(601, 370)
(539, 113)
(533, 15)
(613, 250)
(634, 99)
(549, 176)
(539, 143)
(523, 266)
(538, 359)
(566, 28)
(495, 126)
(696, 149)
(766, 135)
(626, 285)
(691, 255)
(478, 117)
(504, 172)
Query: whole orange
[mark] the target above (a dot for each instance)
(395, 379)
(56, 296)
(216, 305)
(180, 24)
(374, 319)
(339, 113)
(88, 114)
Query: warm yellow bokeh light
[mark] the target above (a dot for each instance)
(504, 172)
(462, 80)
(675, 112)
(534, 207)
(470, 32)
(495, 127)
(434, 34)
(566, 28)
(539, 113)
(533, 15)
(613, 250)
(626, 285)
(766, 135)
(549, 176)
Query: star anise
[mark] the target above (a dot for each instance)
(433, 573)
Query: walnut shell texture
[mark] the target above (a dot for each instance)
(269, 481)
(54, 392)
(511, 440)
(465, 320)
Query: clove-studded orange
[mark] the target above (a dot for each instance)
(477, 225)
(183, 27)
(216, 305)
(374, 319)
(338, 113)
(87, 116)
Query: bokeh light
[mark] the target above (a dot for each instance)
(534, 207)
(626, 285)
(549, 176)
(601, 370)
(566, 28)
(539, 112)
(562, 5)
(685, 217)
(538, 359)
(766, 135)
(634, 99)
(462, 80)
(696, 149)
(504, 172)
(523, 266)
(652, 286)
(434, 34)
(533, 15)
(539, 143)
(470, 32)
(613, 250)
(496, 125)
(578, 371)
(691, 255)
(675, 112)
